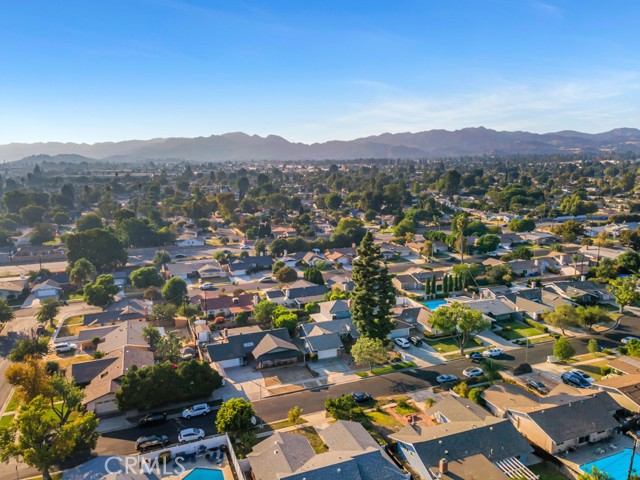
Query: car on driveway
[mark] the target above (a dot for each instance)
(626, 340)
(65, 347)
(361, 397)
(154, 418)
(474, 356)
(574, 380)
(537, 386)
(179, 255)
(492, 352)
(473, 372)
(446, 378)
(207, 286)
(190, 435)
(583, 375)
(401, 342)
(196, 410)
(415, 340)
(245, 247)
(266, 280)
(144, 444)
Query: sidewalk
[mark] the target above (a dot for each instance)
(491, 338)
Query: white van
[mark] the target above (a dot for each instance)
(65, 347)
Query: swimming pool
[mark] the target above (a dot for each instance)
(204, 474)
(433, 304)
(615, 465)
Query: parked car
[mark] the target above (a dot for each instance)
(190, 435)
(207, 286)
(179, 255)
(585, 376)
(574, 380)
(401, 342)
(150, 419)
(472, 372)
(196, 410)
(245, 247)
(144, 444)
(361, 397)
(492, 352)
(537, 386)
(446, 378)
(474, 356)
(415, 340)
(626, 340)
(40, 329)
(65, 347)
(266, 280)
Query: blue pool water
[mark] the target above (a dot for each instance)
(204, 474)
(433, 304)
(615, 465)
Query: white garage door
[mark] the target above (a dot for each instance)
(327, 354)
(234, 362)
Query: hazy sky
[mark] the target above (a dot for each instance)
(87, 71)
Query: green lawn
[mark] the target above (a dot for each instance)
(314, 439)
(406, 409)
(13, 403)
(383, 419)
(71, 326)
(286, 423)
(5, 419)
(392, 367)
(546, 338)
(517, 330)
(547, 472)
(447, 345)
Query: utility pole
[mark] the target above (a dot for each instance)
(633, 454)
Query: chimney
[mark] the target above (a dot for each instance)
(443, 465)
(236, 300)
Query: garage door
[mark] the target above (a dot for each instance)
(327, 354)
(234, 362)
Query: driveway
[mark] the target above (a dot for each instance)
(243, 382)
(422, 355)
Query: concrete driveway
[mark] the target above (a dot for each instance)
(243, 382)
(422, 355)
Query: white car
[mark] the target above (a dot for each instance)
(472, 372)
(207, 286)
(266, 280)
(583, 375)
(402, 342)
(190, 435)
(492, 352)
(65, 347)
(446, 378)
(245, 247)
(626, 340)
(196, 411)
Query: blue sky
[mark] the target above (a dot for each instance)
(88, 71)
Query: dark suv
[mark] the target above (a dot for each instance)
(155, 418)
(144, 444)
(575, 380)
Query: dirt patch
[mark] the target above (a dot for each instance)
(270, 382)
(285, 389)
(285, 375)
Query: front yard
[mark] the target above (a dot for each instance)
(71, 326)
(513, 330)
(314, 439)
(450, 344)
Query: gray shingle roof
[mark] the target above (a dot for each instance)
(269, 343)
(239, 346)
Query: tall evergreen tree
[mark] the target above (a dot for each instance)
(434, 285)
(445, 284)
(373, 294)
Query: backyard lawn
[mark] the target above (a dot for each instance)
(71, 326)
(314, 439)
(547, 472)
(517, 330)
(446, 345)
(383, 420)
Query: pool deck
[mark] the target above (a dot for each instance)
(593, 452)
(204, 463)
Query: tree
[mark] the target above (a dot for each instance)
(168, 348)
(633, 348)
(569, 230)
(30, 379)
(459, 320)
(243, 187)
(29, 347)
(369, 351)
(65, 397)
(499, 274)
(286, 275)
(32, 214)
(83, 272)
(491, 369)
(563, 317)
(562, 349)
(287, 320)
(351, 229)
(234, 414)
(260, 247)
(342, 408)
(592, 315)
(629, 262)
(314, 275)
(101, 247)
(162, 257)
(460, 223)
(373, 294)
(152, 335)
(146, 277)
(333, 201)
(49, 309)
(593, 346)
(164, 313)
(522, 225)
(6, 311)
(42, 232)
(294, 415)
(37, 439)
(101, 292)
(625, 291)
(596, 474)
(174, 290)
(263, 312)
(88, 222)
(487, 243)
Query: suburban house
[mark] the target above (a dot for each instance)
(323, 339)
(352, 455)
(99, 394)
(268, 348)
(340, 282)
(114, 337)
(189, 240)
(283, 232)
(13, 288)
(494, 308)
(417, 317)
(624, 389)
(216, 305)
(508, 240)
(343, 256)
(595, 254)
(244, 266)
(539, 237)
(408, 283)
(566, 418)
(194, 270)
(332, 310)
(465, 437)
(298, 297)
(47, 289)
(112, 317)
(625, 364)
(584, 291)
(524, 268)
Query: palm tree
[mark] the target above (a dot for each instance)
(461, 223)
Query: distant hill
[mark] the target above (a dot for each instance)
(430, 144)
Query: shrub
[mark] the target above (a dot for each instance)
(522, 369)
(605, 370)
(534, 324)
(402, 402)
(475, 395)
(294, 415)
(342, 408)
(52, 367)
(462, 389)
(218, 320)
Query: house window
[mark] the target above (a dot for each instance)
(583, 439)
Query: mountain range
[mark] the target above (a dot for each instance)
(240, 146)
